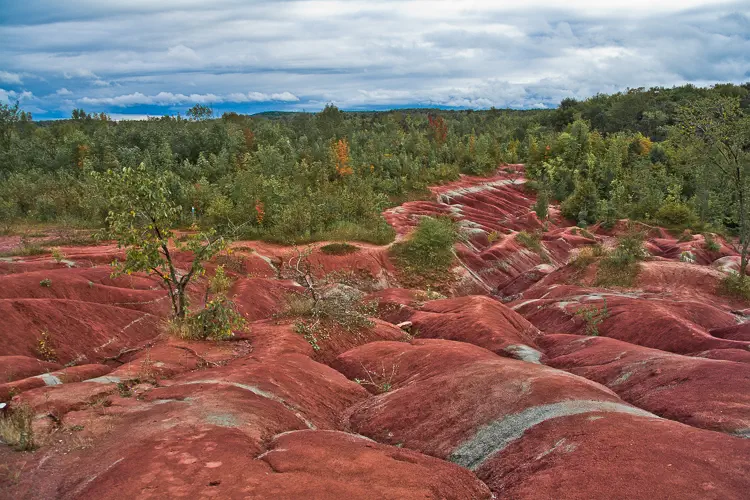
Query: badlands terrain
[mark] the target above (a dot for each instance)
(522, 380)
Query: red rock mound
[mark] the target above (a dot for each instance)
(738, 355)
(261, 298)
(699, 392)
(423, 377)
(20, 367)
(302, 464)
(93, 285)
(616, 455)
(75, 330)
(224, 431)
(530, 431)
(66, 375)
(478, 320)
(678, 326)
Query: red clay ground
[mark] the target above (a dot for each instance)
(502, 390)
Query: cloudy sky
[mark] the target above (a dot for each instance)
(144, 57)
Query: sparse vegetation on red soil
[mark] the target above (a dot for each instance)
(548, 374)
(513, 341)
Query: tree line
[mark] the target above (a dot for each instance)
(675, 156)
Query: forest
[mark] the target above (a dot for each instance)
(678, 157)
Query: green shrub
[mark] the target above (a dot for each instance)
(338, 249)
(311, 332)
(614, 273)
(735, 285)
(430, 246)
(27, 249)
(675, 214)
(541, 206)
(621, 266)
(220, 282)
(629, 249)
(217, 321)
(710, 243)
(582, 205)
(46, 282)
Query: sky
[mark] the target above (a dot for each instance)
(136, 58)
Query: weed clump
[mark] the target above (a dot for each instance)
(621, 266)
(710, 243)
(592, 317)
(228, 261)
(44, 348)
(220, 283)
(532, 241)
(27, 249)
(587, 256)
(317, 319)
(218, 320)
(382, 381)
(325, 305)
(339, 249)
(15, 428)
(58, 254)
(685, 237)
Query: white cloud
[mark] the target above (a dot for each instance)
(7, 77)
(284, 97)
(63, 92)
(169, 98)
(302, 54)
(183, 53)
(79, 73)
(8, 96)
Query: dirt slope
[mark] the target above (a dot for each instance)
(501, 390)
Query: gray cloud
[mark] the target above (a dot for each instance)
(126, 55)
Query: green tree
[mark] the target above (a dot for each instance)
(720, 126)
(141, 217)
(200, 112)
(541, 206)
(10, 117)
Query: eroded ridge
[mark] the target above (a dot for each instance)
(531, 379)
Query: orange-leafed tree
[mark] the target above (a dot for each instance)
(82, 152)
(341, 157)
(249, 139)
(438, 129)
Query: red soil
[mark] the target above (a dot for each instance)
(656, 406)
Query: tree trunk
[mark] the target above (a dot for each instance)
(181, 302)
(744, 236)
